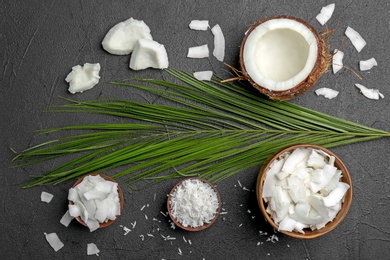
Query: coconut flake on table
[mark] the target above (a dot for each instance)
(367, 64)
(66, 219)
(92, 249)
(198, 52)
(54, 241)
(325, 14)
(309, 196)
(121, 38)
(96, 201)
(337, 61)
(219, 43)
(199, 25)
(46, 197)
(369, 93)
(357, 40)
(148, 54)
(84, 77)
(194, 203)
(203, 75)
(327, 92)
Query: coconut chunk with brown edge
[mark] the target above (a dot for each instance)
(148, 54)
(283, 56)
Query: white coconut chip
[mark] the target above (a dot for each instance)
(357, 40)
(148, 54)
(337, 61)
(54, 241)
(46, 197)
(198, 52)
(367, 64)
(199, 25)
(369, 93)
(66, 219)
(121, 38)
(219, 43)
(92, 249)
(203, 75)
(327, 92)
(325, 14)
(82, 78)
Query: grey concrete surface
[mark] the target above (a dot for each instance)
(40, 42)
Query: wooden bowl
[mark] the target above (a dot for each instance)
(121, 201)
(189, 228)
(309, 234)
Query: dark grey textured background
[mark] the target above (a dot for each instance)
(40, 42)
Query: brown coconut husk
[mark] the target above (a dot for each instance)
(321, 66)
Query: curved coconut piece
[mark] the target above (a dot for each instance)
(283, 56)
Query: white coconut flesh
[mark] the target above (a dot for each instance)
(280, 53)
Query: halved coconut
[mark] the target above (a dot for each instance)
(283, 56)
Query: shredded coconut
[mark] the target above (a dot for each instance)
(194, 203)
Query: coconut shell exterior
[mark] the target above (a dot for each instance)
(321, 64)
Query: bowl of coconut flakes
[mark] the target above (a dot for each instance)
(304, 191)
(194, 204)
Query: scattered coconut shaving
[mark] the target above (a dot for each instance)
(198, 52)
(66, 219)
(199, 25)
(92, 249)
(369, 93)
(46, 197)
(325, 14)
(337, 61)
(357, 40)
(83, 78)
(367, 64)
(203, 75)
(219, 43)
(54, 241)
(327, 92)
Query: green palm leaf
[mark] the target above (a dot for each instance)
(214, 131)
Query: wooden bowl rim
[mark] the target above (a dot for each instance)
(206, 225)
(120, 194)
(309, 234)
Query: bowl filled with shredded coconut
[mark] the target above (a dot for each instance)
(194, 204)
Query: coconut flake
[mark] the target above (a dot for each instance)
(121, 38)
(357, 41)
(46, 197)
(66, 219)
(369, 93)
(337, 60)
(219, 43)
(325, 14)
(367, 64)
(148, 54)
(82, 78)
(336, 195)
(198, 52)
(327, 92)
(200, 25)
(92, 249)
(54, 241)
(203, 75)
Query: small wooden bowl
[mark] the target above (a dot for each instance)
(121, 201)
(189, 228)
(309, 234)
